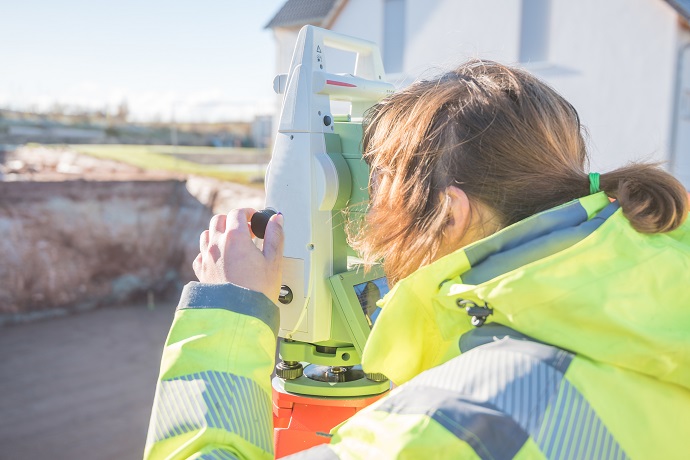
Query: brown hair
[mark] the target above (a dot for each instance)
(508, 140)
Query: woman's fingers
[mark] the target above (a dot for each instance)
(196, 266)
(203, 241)
(238, 219)
(274, 239)
(228, 254)
(217, 224)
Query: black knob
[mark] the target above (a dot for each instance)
(260, 220)
(327, 120)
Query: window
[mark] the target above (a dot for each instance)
(393, 35)
(534, 30)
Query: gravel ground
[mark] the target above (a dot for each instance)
(81, 386)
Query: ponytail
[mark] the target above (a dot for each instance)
(651, 199)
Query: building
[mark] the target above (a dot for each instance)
(624, 64)
(262, 129)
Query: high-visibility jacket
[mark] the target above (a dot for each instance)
(584, 352)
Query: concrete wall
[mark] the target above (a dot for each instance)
(614, 60)
(74, 245)
(78, 244)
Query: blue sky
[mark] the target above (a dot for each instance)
(203, 60)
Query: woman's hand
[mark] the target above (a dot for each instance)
(228, 254)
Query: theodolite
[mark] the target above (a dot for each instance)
(327, 302)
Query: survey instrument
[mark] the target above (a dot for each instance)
(327, 300)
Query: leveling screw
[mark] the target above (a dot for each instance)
(289, 370)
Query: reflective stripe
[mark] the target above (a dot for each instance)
(572, 429)
(488, 333)
(504, 338)
(491, 433)
(230, 297)
(214, 400)
(497, 386)
(493, 333)
(519, 380)
(321, 452)
(516, 376)
(219, 454)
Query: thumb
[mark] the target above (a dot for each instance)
(274, 238)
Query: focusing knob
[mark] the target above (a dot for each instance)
(289, 370)
(260, 221)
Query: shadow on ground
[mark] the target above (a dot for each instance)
(81, 386)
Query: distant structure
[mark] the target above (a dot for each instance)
(262, 130)
(20, 127)
(122, 114)
(99, 127)
(624, 64)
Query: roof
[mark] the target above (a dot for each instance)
(302, 12)
(682, 7)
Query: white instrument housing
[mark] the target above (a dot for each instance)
(302, 181)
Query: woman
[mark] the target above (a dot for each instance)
(537, 311)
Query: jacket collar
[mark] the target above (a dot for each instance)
(420, 322)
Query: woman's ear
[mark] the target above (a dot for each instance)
(456, 232)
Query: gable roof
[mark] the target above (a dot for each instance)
(302, 12)
(682, 7)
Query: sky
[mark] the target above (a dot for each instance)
(201, 60)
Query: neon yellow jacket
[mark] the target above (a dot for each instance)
(585, 353)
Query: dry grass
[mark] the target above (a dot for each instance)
(157, 157)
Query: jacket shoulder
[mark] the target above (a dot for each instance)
(504, 398)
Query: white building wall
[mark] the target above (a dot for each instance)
(614, 60)
(362, 19)
(445, 33)
(439, 33)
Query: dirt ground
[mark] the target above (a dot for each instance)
(81, 386)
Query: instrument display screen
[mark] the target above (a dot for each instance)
(368, 293)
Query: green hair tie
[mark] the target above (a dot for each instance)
(593, 183)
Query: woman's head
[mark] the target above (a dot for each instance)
(508, 142)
